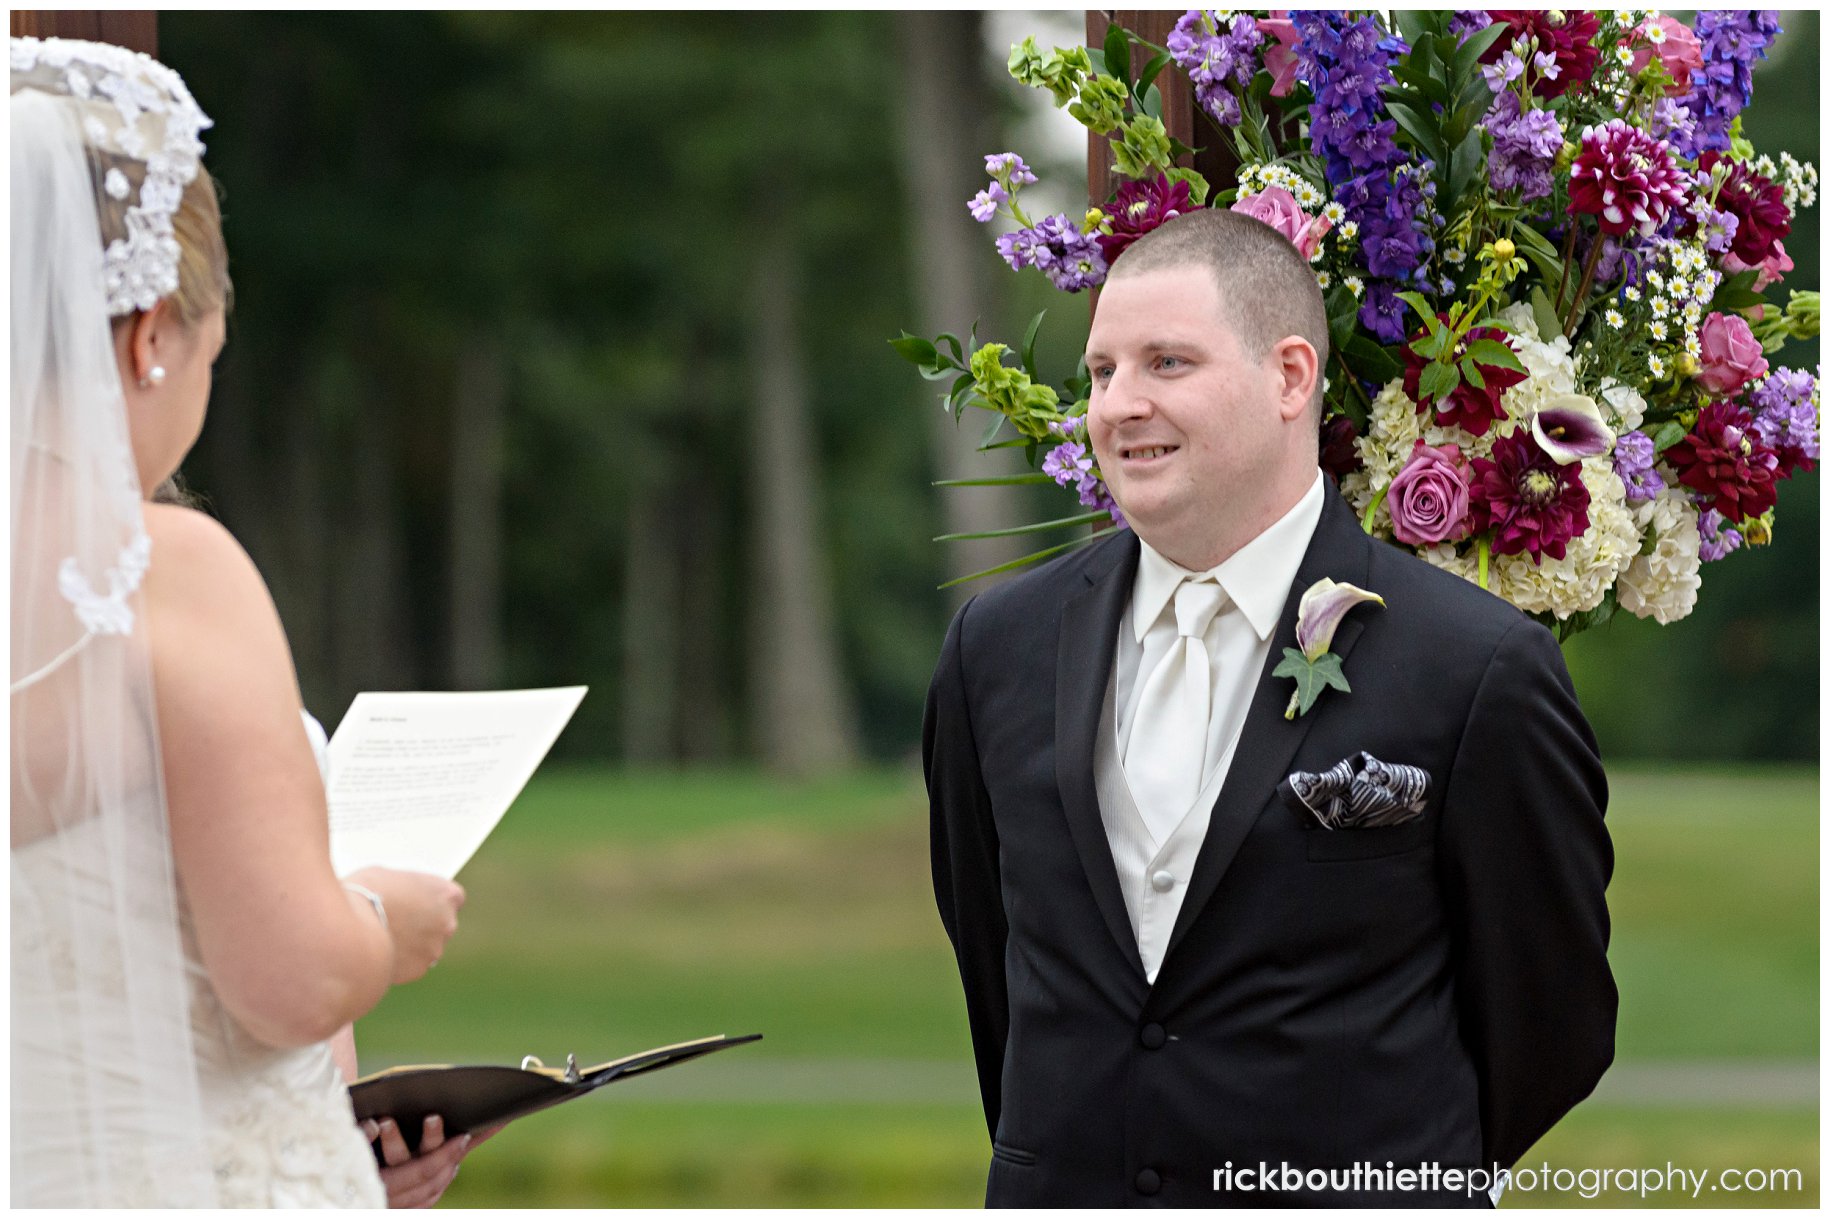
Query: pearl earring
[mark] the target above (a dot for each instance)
(154, 376)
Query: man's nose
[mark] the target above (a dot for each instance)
(1123, 397)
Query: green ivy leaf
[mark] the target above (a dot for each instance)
(1312, 676)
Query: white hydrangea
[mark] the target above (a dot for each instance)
(1627, 403)
(1590, 564)
(1393, 427)
(1663, 585)
(1448, 557)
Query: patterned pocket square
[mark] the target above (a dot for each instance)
(1359, 793)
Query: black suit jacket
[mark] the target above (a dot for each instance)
(1436, 991)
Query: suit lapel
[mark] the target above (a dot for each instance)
(1338, 550)
(1083, 666)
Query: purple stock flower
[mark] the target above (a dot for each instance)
(1218, 57)
(1787, 418)
(1070, 258)
(1002, 165)
(1525, 146)
(1673, 123)
(1731, 43)
(984, 205)
(1067, 463)
(1719, 538)
(1635, 459)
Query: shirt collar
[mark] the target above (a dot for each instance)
(1257, 577)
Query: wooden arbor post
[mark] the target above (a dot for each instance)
(135, 29)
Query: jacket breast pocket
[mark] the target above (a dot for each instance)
(1341, 846)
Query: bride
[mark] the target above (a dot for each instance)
(181, 949)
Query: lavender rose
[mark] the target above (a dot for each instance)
(1428, 499)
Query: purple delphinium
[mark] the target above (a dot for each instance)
(1634, 458)
(1731, 43)
(1347, 63)
(1468, 21)
(1525, 146)
(1719, 538)
(1217, 57)
(1786, 418)
(1383, 313)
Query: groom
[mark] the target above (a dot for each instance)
(1183, 988)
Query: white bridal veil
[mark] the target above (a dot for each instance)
(105, 1098)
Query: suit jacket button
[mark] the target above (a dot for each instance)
(1148, 1182)
(1153, 1037)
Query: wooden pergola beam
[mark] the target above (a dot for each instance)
(135, 29)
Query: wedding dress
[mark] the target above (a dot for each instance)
(130, 1082)
(278, 1127)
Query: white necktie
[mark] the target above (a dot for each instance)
(1167, 752)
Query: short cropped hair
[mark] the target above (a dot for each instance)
(1267, 289)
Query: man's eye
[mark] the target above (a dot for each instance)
(1103, 372)
(1169, 362)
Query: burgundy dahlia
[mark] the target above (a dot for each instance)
(1533, 505)
(1338, 456)
(1568, 34)
(1625, 178)
(1725, 461)
(1469, 408)
(1757, 203)
(1141, 206)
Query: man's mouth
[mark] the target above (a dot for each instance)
(1148, 452)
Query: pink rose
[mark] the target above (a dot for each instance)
(1680, 52)
(1428, 499)
(1731, 355)
(1772, 268)
(1278, 208)
(1280, 59)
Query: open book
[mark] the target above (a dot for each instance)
(478, 1097)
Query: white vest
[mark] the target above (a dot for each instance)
(1153, 878)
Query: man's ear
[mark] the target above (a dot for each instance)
(1299, 371)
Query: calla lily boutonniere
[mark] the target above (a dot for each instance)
(1311, 663)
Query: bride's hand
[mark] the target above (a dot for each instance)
(422, 915)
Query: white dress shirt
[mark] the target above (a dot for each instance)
(1154, 875)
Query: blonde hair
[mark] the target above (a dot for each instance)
(203, 257)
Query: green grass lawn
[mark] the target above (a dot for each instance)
(613, 912)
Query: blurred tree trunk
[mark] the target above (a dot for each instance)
(477, 436)
(947, 128)
(651, 618)
(704, 712)
(800, 719)
(370, 651)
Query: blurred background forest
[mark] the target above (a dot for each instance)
(559, 357)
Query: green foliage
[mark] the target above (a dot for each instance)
(614, 910)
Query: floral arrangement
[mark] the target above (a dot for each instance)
(1546, 251)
